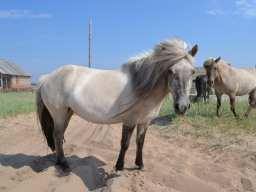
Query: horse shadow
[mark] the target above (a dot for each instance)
(89, 169)
(163, 121)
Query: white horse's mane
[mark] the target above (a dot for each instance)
(150, 70)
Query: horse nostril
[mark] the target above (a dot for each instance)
(176, 106)
(188, 106)
(210, 83)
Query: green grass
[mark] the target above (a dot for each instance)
(12, 104)
(201, 122)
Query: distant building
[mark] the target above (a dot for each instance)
(13, 77)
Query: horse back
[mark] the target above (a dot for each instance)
(236, 80)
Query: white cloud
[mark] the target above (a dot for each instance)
(239, 7)
(246, 7)
(215, 12)
(22, 14)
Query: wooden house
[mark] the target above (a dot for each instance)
(13, 77)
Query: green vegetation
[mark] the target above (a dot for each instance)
(12, 104)
(201, 122)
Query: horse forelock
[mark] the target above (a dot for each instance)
(208, 62)
(150, 70)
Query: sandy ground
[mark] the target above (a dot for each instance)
(92, 150)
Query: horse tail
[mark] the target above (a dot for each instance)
(44, 116)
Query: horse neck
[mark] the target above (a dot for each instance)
(222, 71)
(157, 95)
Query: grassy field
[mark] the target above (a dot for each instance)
(12, 104)
(201, 123)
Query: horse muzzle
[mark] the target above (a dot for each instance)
(210, 83)
(181, 109)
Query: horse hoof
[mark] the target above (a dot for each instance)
(64, 165)
(119, 168)
(66, 169)
(141, 167)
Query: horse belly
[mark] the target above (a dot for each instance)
(244, 89)
(100, 104)
(95, 111)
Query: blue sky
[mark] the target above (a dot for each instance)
(42, 35)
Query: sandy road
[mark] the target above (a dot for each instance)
(92, 150)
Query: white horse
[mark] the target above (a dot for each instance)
(131, 95)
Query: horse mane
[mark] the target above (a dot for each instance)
(225, 63)
(210, 60)
(150, 70)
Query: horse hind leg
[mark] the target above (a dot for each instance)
(252, 102)
(68, 117)
(60, 125)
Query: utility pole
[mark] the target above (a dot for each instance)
(90, 42)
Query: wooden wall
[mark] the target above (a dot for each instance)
(20, 82)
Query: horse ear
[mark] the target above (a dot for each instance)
(193, 51)
(217, 60)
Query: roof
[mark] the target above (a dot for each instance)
(11, 68)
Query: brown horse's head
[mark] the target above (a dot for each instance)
(211, 66)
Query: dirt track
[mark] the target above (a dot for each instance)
(92, 150)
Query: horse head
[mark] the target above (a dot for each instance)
(180, 82)
(211, 67)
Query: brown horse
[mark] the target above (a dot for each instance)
(233, 82)
(202, 87)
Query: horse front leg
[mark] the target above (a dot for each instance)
(204, 94)
(218, 103)
(208, 95)
(141, 133)
(125, 141)
(232, 103)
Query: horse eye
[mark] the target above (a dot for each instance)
(170, 71)
(193, 72)
(215, 68)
